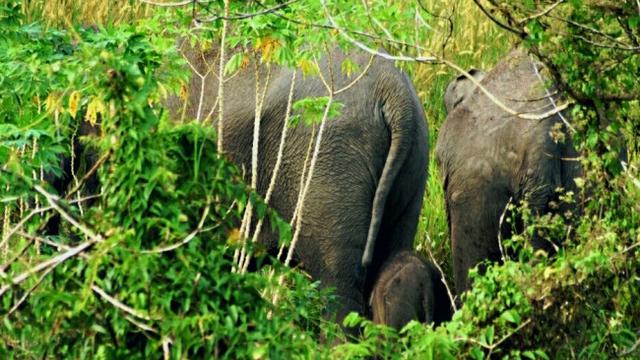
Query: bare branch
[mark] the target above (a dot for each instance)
(225, 26)
(360, 76)
(118, 304)
(52, 262)
(276, 169)
(635, 345)
(501, 105)
(165, 348)
(54, 244)
(21, 223)
(495, 20)
(540, 14)
(594, 31)
(260, 96)
(247, 16)
(52, 199)
(504, 338)
(57, 260)
(173, 4)
(305, 166)
(434, 59)
(189, 237)
(369, 50)
(314, 159)
(37, 211)
(6, 265)
(452, 298)
(500, 222)
(29, 292)
(550, 97)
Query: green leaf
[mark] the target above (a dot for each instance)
(489, 335)
(234, 64)
(511, 316)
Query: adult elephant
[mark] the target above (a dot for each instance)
(489, 157)
(366, 190)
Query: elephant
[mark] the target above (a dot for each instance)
(489, 158)
(409, 288)
(366, 191)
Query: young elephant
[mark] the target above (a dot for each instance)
(409, 288)
(489, 158)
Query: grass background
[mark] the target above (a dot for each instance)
(473, 42)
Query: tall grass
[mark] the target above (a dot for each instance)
(64, 13)
(474, 42)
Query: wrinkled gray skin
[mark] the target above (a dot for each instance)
(488, 156)
(409, 288)
(369, 178)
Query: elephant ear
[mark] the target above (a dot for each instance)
(460, 88)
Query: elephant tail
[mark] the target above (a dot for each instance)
(399, 115)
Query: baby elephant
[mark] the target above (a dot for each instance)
(409, 288)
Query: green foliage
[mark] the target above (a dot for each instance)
(312, 110)
(157, 276)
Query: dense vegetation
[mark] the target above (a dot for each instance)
(146, 266)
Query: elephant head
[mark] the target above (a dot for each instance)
(460, 87)
(409, 288)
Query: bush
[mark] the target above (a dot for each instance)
(155, 273)
(147, 268)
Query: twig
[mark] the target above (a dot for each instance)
(225, 25)
(497, 343)
(247, 16)
(6, 265)
(95, 288)
(550, 97)
(165, 348)
(540, 14)
(635, 345)
(188, 238)
(142, 326)
(452, 299)
(52, 199)
(330, 27)
(500, 222)
(29, 292)
(19, 225)
(520, 33)
(344, 33)
(312, 165)
(57, 260)
(53, 262)
(276, 169)
(360, 76)
(243, 263)
(504, 338)
(501, 105)
(173, 4)
(631, 247)
(434, 59)
(305, 166)
(54, 244)
(36, 211)
(115, 302)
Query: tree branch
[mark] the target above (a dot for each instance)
(247, 16)
(540, 14)
(495, 20)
